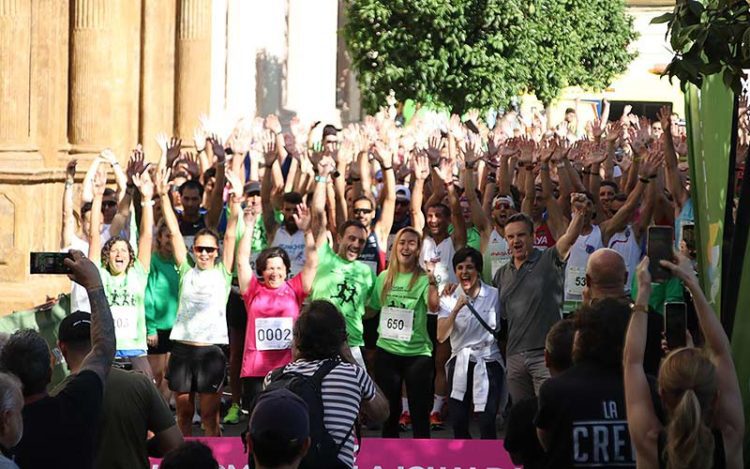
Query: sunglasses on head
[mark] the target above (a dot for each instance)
(207, 249)
(362, 211)
(108, 203)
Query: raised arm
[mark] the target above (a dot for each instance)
(421, 171)
(383, 226)
(68, 220)
(217, 196)
(244, 250)
(85, 273)
(303, 218)
(325, 167)
(88, 180)
(567, 240)
(230, 234)
(95, 237)
(122, 180)
(145, 235)
(674, 184)
(272, 187)
(643, 425)
(445, 175)
(479, 217)
(136, 165)
(178, 243)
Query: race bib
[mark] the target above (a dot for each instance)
(396, 323)
(273, 333)
(126, 323)
(575, 280)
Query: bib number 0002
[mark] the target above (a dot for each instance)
(273, 333)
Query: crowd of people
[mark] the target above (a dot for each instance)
(418, 274)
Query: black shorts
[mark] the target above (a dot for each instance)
(370, 333)
(196, 368)
(236, 314)
(164, 345)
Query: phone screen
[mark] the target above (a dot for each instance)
(48, 263)
(675, 324)
(659, 248)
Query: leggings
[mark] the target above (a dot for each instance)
(418, 371)
(459, 412)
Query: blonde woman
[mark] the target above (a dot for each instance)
(403, 294)
(698, 388)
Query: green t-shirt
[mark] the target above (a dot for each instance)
(162, 293)
(404, 298)
(667, 292)
(125, 294)
(473, 237)
(345, 284)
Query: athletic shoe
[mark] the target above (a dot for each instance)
(233, 415)
(404, 422)
(436, 422)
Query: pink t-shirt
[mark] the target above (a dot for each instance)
(266, 306)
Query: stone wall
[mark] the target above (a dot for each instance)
(77, 76)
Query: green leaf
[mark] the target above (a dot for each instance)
(665, 18)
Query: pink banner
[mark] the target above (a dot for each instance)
(381, 453)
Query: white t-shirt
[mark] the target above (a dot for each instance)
(575, 269)
(79, 297)
(625, 244)
(497, 253)
(201, 314)
(440, 256)
(294, 245)
(467, 330)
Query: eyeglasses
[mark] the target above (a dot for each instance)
(362, 211)
(206, 249)
(108, 203)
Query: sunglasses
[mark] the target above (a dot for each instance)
(108, 203)
(206, 249)
(362, 211)
(502, 206)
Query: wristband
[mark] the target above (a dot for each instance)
(561, 164)
(335, 174)
(386, 168)
(268, 165)
(68, 184)
(644, 180)
(653, 176)
(322, 179)
(148, 203)
(469, 165)
(640, 308)
(545, 166)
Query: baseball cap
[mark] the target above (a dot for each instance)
(403, 193)
(252, 187)
(279, 416)
(76, 327)
(504, 198)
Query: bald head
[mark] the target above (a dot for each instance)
(606, 274)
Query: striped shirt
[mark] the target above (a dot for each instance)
(344, 388)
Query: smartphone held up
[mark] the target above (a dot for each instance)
(49, 263)
(659, 248)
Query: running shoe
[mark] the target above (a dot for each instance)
(233, 415)
(436, 421)
(404, 422)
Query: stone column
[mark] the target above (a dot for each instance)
(15, 59)
(193, 64)
(311, 63)
(158, 73)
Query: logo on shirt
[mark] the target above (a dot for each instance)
(346, 293)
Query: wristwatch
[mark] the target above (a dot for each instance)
(636, 308)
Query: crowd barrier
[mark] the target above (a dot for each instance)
(384, 453)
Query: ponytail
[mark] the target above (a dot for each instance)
(690, 443)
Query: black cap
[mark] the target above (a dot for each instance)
(252, 187)
(75, 327)
(281, 416)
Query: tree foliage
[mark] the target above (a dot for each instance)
(480, 53)
(707, 38)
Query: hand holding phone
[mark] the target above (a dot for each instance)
(658, 248)
(675, 325)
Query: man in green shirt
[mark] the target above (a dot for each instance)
(341, 279)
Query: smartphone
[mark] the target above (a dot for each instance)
(675, 324)
(49, 263)
(659, 247)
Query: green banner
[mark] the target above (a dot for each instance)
(709, 119)
(45, 320)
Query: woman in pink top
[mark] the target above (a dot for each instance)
(272, 302)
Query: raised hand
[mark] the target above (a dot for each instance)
(681, 146)
(144, 184)
(421, 167)
(163, 141)
(455, 127)
(597, 156)
(546, 150)
(445, 171)
(434, 144)
(136, 163)
(234, 182)
(682, 268)
(174, 145)
(613, 131)
(665, 118)
(382, 154)
(597, 129)
(273, 124)
(199, 138)
(268, 144)
(100, 182)
(471, 151)
(650, 165)
(326, 165)
(70, 171)
(302, 217)
(108, 156)
(161, 181)
(218, 148)
(578, 203)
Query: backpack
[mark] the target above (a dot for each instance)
(323, 452)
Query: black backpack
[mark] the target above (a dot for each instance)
(323, 452)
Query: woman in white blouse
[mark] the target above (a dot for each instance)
(476, 372)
